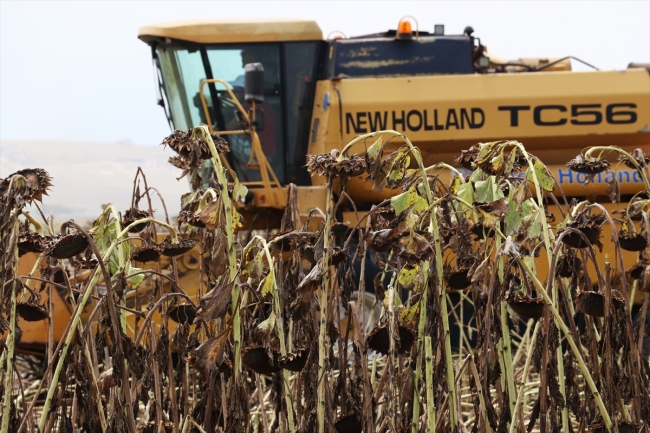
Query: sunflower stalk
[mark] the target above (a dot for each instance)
(322, 348)
(11, 339)
(204, 133)
(280, 328)
(76, 316)
(576, 351)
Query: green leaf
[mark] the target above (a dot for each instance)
(268, 285)
(135, 280)
(374, 150)
(543, 176)
(407, 276)
(238, 191)
(487, 191)
(408, 314)
(406, 200)
(466, 193)
(513, 218)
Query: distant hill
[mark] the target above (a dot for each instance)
(87, 175)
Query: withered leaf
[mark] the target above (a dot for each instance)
(312, 279)
(214, 304)
(210, 355)
(211, 214)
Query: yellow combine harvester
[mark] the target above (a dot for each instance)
(445, 92)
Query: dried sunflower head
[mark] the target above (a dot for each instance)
(32, 243)
(257, 359)
(379, 339)
(466, 158)
(589, 166)
(329, 164)
(641, 158)
(148, 253)
(591, 227)
(37, 181)
(169, 249)
(131, 216)
(525, 306)
(192, 146)
(632, 241)
(31, 312)
(64, 247)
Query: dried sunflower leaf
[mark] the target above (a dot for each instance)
(210, 355)
(214, 304)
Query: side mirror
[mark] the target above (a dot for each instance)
(254, 82)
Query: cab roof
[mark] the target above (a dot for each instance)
(212, 31)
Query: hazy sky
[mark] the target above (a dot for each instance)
(76, 70)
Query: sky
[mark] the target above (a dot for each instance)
(76, 71)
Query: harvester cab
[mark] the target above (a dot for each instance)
(203, 73)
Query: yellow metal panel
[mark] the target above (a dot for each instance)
(554, 110)
(234, 31)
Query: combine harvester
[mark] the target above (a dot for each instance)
(277, 91)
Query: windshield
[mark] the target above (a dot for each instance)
(289, 77)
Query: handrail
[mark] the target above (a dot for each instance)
(269, 179)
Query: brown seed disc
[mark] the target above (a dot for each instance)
(633, 243)
(581, 165)
(458, 280)
(593, 303)
(132, 215)
(146, 254)
(67, 246)
(379, 341)
(31, 312)
(525, 306)
(636, 270)
(294, 361)
(170, 249)
(576, 241)
(184, 313)
(349, 424)
(567, 265)
(257, 360)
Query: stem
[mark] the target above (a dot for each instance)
(431, 404)
(76, 317)
(433, 229)
(36, 224)
(231, 264)
(280, 325)
(520, 395)
(567, 333)
(11, 340)
(627, 155)
(320, 408)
